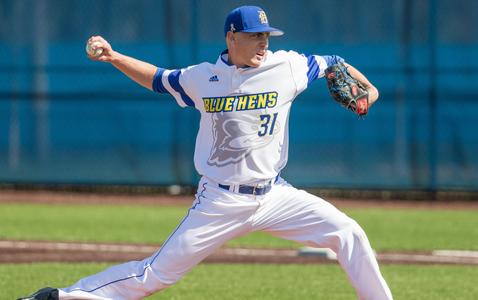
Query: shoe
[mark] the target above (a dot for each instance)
(47, 293)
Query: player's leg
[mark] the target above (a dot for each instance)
(299, 216)
(215, 217)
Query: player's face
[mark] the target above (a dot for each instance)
(249, 48)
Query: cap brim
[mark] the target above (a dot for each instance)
(273, 31)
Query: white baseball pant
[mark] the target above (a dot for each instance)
(217, 216)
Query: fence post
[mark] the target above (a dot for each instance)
(433, 97)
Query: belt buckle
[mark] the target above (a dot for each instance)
(256, 187)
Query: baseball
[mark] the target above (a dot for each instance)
(93, 49)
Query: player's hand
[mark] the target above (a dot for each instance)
(371, 89)
(346, 89)
(97, 42)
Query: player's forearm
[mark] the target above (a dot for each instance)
(139, 71)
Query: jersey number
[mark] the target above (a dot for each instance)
(267, 124)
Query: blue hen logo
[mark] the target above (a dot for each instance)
(235, 137)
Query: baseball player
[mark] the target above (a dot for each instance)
(244, 99)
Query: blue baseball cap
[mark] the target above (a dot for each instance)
(249, 19)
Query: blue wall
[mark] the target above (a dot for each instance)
(65, 119)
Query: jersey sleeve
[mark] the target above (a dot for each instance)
(307, 68)
(326, 61)
(174, 83)
(299, 69)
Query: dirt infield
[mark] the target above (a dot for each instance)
(45, 251)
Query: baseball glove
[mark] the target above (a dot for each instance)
(346, 90)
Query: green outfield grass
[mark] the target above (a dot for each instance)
(403, 229)
(264, 282)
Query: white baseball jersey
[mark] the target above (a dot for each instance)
(243, 133)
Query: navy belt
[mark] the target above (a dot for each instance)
(260, 189)
(251, 190)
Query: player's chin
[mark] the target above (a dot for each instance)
(257, 60)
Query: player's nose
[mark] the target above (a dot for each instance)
(264, 44)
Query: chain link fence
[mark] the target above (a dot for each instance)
(65, 119)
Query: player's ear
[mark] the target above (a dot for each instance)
(230, 36)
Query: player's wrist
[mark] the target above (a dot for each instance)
(115, 57)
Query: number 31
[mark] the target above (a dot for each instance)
(267, 120)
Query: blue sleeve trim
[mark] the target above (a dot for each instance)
(332, 59)
(158, 86)
(173, 79)
(313, 69)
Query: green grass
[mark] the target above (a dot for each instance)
(387, 229)
(256, 281)
(108, 223)
(419, 229)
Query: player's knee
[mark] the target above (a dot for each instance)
(169, 270)
(349, 232)
(168, 278)
(357, 232)
(167, 275)
(164, 277)
(356, 237)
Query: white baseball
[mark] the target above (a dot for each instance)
(94, 49)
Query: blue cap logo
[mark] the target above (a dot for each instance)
(263, 17)
(249, 19)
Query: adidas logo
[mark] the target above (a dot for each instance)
(213, 78)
